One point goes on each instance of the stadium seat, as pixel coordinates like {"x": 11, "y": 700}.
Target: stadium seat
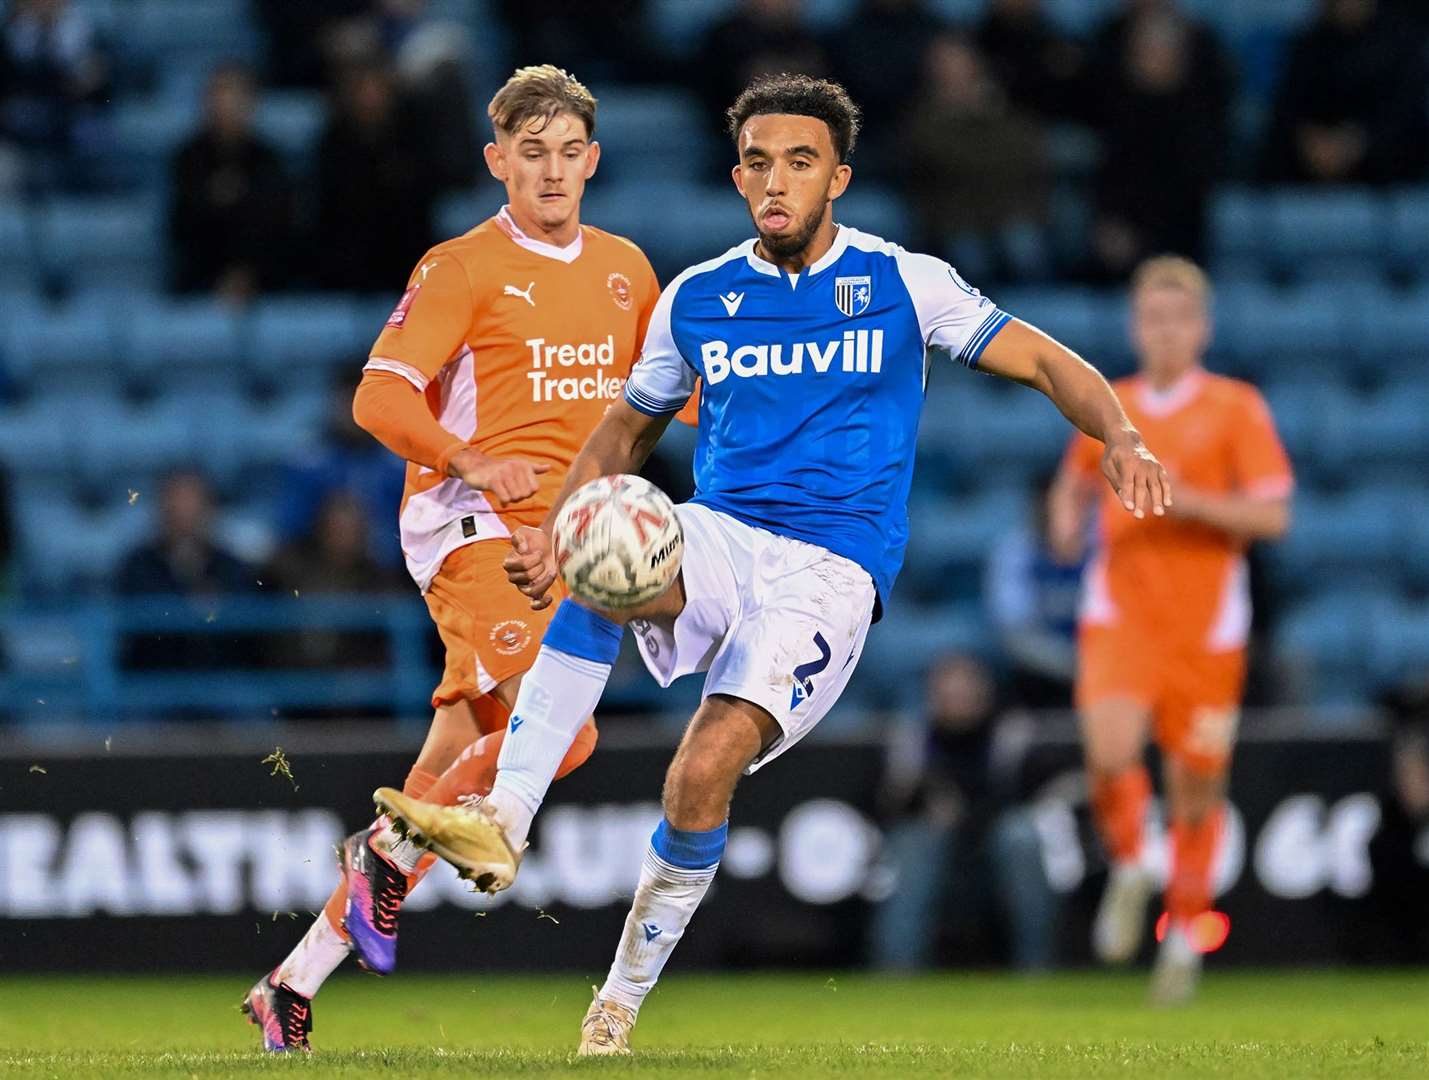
{"x": 1324, "y": 233}
{"x": 33, "y": 441}
{"x": 949, "y": 539}
{"x": 292, "y": 120}
{"x": 678, "y": 24}
{"x": 1386, "y": 430}
{"x": 877, "y": 210}
{"x": 648, "y": 133}
{"x": 171, "y": 342}
{"x": 1360, "y": 536}
{"x": 462, "y": 211}
{"x": 900, "y": 649}
{"x": 292, "y": 337}
{"x": 113, "y": 245}
{"x": 1409, "y": 232}
{"x": 1239, "y": 231}
{"x": 156, "y": 31}
{"x": 1332, "y": 637}
{"x": 1393, "y": 328}
{"x": 711, "y": 220}
{"x": 16, "y": 239}
{"x": 47, "y": 344}
{"x": 146, "y": 136}
{"x": 1307, "y": 417}
{"x": 1264, "y": 330}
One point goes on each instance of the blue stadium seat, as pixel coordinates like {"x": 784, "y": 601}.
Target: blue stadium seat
{"x": 292, "y": 120}
{"x": 1072, "y": 316}
{"x": 1394, "y": 328}
{"x": 33, "y": 441}
{"x": 1387, "y": 429}
{"x": 1307, "y": 417}
{"x": 900, "y": 649}
{"x": 1263, "y": 330}
{"x": 45, "y": 344}
{"x": 711, "y": 220}
{"x": 877, "y": 210}
{"x": 17, "y": 253}
{"x": 1409, "y": 231}
{"x": 172, "y": 342}
{"x": 113, "y": 245}
{"x": 115, "y": 442}
{"x": 146, "y": 136}
{"x": 1326, "y": 233}
{"x": 463, "y": 211}
{"x": 1358, "y": 536}
{"x": 298, "y": 338}
{"x": 1332, "y": 636}
{"x": 679, "y": 24}
{"x": 949, "y": 539}
{"x": 157, "y": 30}
{"x": 1240, "y": 230}
{"x": 652, "y": 133}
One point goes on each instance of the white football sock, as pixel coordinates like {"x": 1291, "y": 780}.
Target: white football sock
{"x": 400, "y": 852}
{"x": 665, "y": 900}
{"x": 557, "y": 695}
{"x": 315, "y": 958}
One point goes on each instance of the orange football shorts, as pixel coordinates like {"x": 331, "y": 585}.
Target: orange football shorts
{"x": 1194, "y": 695}
{"x": 487, "y": 626}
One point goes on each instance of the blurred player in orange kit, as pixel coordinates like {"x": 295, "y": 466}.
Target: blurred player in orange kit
{"x": 502, "y": 355}
{"x": 1165, "y": 615}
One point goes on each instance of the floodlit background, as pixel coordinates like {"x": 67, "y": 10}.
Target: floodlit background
{"x": 208, "y": 208}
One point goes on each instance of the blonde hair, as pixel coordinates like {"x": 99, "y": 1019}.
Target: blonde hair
{"x": 541, "y": 92}
{"x": 1172, "y": 272}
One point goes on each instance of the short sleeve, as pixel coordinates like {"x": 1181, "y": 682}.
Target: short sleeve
{"x": 429, "y": 324}
{"x": 952, "y": 315}
{"x": 1083, "y": 457}
{"x": 661, "y": 383}
{"x": 1262, "y": 468}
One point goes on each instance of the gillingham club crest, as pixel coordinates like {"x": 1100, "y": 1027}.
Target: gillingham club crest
{"x": 852, "y": 294}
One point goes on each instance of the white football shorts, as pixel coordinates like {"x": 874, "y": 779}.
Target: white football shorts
{"x": 772, "y": 620}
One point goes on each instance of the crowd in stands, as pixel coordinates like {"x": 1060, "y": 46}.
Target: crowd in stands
{"x": 1025, "y": 150}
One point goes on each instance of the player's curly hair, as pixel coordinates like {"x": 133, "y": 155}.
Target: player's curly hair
{"x": 799, "y": 95}
{"x": 541, "y": 92}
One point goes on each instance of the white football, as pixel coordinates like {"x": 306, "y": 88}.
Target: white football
{"x": 618, "y": 542}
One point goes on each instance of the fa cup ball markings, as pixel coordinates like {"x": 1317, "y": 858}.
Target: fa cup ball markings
{"x": 618, "y": 542}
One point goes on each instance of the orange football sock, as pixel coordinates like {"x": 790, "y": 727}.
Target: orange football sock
{"x": 1189, "y": 890}
{"x": 474, "y": 771}
{"x": 1119, "y": 807}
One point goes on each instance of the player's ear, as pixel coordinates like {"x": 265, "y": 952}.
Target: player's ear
{"x": 839, "y": 184}
{"x": 592, "y": 159}
{"x": 496, "y": 161}
{"x": 737, "y": 174}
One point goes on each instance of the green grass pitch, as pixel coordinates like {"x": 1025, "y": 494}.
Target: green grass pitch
{"x": 1293, "y": 1024}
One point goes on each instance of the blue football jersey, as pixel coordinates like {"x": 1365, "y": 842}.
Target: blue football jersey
{"x": 813, "y": 385}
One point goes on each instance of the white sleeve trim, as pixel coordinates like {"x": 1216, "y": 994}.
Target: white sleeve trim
{"x": 397, "y": 367}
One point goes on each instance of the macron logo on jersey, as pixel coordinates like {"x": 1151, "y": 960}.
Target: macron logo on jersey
{"x": 855, "y": 351}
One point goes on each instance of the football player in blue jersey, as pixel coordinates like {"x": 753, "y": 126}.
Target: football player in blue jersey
{"x": 813, "y": 341}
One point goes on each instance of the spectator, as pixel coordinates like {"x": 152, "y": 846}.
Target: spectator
{"x": 1164, "y": 124}
{"x": 299, "y": 36}
{"x": 604, "y": 43}
{"x": 436, "y": 69}
{"x": 871, "y": 55}
{"x": 376, "y": 186}
{"x": 333, "y": 558}
{"x": 1043, "y": 71}
{"x": 760, "y": 37}
{"x": 231, "y": 216}
{"x": 953, "y": 821}
{"x": 1351, "y": 108}
{"x": 347, "y": 459}
{"x": 54, "y": 78}
{"x": 1031, "y": 596}
{"x": 183, "y": 560}
{"x": 976, "y": 168}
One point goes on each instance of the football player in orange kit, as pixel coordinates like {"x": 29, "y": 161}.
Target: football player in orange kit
{"x": 1165, "y": 616}
{"x": 500, "y": 358}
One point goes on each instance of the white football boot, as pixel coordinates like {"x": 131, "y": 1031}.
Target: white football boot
{"x": 606, "y": 1028}
{"x": 1177, "y": 969}
{"x": 1121, "y": 915}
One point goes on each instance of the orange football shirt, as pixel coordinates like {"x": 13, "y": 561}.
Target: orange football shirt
{"x": 1176, "y": 579}
{"x": 519, "y": 347}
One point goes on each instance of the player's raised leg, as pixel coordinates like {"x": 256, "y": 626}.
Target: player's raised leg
{"x": 726, "y": 735}
{"x": 1114, "y": 732}
{"x": 484, "y": 840}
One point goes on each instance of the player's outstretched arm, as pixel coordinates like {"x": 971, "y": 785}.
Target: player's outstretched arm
{"x": 620, "y": 443}
{"x": 1026, "y": 355}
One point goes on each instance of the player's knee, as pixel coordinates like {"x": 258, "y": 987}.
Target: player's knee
{"x": 698, "y": 790}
